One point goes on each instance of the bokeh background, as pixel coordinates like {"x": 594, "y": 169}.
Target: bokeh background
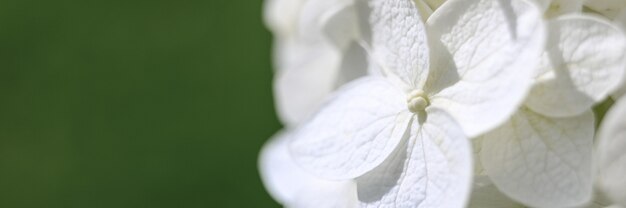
{"x": 131, "y": 103}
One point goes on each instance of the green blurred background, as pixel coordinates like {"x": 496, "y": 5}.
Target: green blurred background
{"x": 127, "y": 103}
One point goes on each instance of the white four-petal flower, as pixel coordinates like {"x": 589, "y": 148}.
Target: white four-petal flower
{"x": 403, "y": 137}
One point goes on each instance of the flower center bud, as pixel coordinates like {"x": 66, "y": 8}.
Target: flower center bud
{"x": 417, "y": 101}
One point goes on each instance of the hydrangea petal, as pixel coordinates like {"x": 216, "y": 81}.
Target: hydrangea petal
{"x": 424, "y": 9}
{"x": 611, "y": 154}
{"x": 291, "y": 186}
{"x": 489, "y": 47}
{"x": 342, "y": 26}
{"x": 301, "y": 88}
{"x": 541, "y": 161}
{"x": 487, "y": 195}
{"x": 322, "y": 57}
{"x": 399, "y": 43}
{"x": 431, "y": 168}
{"x": 587, "y": 62}
{"x": 328, "y": 194}
{"x": 281, "y": 16}
{"x": 600, "y": 200}
{"x": 620, "y": 20}
{"x": 333, "y": 21}
{"x": 355, "y": 131}
{"x": 621, "y": 91}
{"x": 354, "y": 64}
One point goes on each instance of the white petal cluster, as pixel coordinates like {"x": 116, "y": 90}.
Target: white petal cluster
{"x": 448, "y": 103}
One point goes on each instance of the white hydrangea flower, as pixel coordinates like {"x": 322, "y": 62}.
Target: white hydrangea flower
{"x": 315, "y": 52}
{"x": 542, "y": 155}
{"x": 403, "y": 136}
{"x": 293, "y": 187}
{"x": 612, "y": 153}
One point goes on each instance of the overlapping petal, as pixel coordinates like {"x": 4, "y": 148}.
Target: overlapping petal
{"x": 484, "y": 70}
{"x": 611, "y": 154}
{"x": 430, "y": 168}
{"x": 355, "y": 131}
{"x": 587, "y": 58}
{"x": 487, "y": 195}
{"x": 341, "y": 27}
{"x": 301, "y": 88}
{"x": 424, "y": 9}
{"x": 621, "y": 91}
{"x": 399, "y": 42}
{"x": 281, "y": 16}
{"x": 320, "y": 56}
{"x": 292, "y": 186}
{"x": 331, "y": 21}
{"x": 434, "y": 4}
{"x": 328, "y": 195}
{"x": 541, "y": 161}
{"x": 620, "y": 21}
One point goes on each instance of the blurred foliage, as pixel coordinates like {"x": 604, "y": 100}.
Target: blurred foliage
{"x": 133, "y": 103}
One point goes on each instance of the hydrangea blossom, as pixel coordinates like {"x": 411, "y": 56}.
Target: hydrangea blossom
{"x": 479, "y": 69}
{"x": 542, "y": 155}
{"x": 403, "y": 137}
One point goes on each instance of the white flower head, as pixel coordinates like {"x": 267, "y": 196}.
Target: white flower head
{"x": 542, "y": 155}
{"x": 611, "y": 153}
{"x": 403, "y": 136}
